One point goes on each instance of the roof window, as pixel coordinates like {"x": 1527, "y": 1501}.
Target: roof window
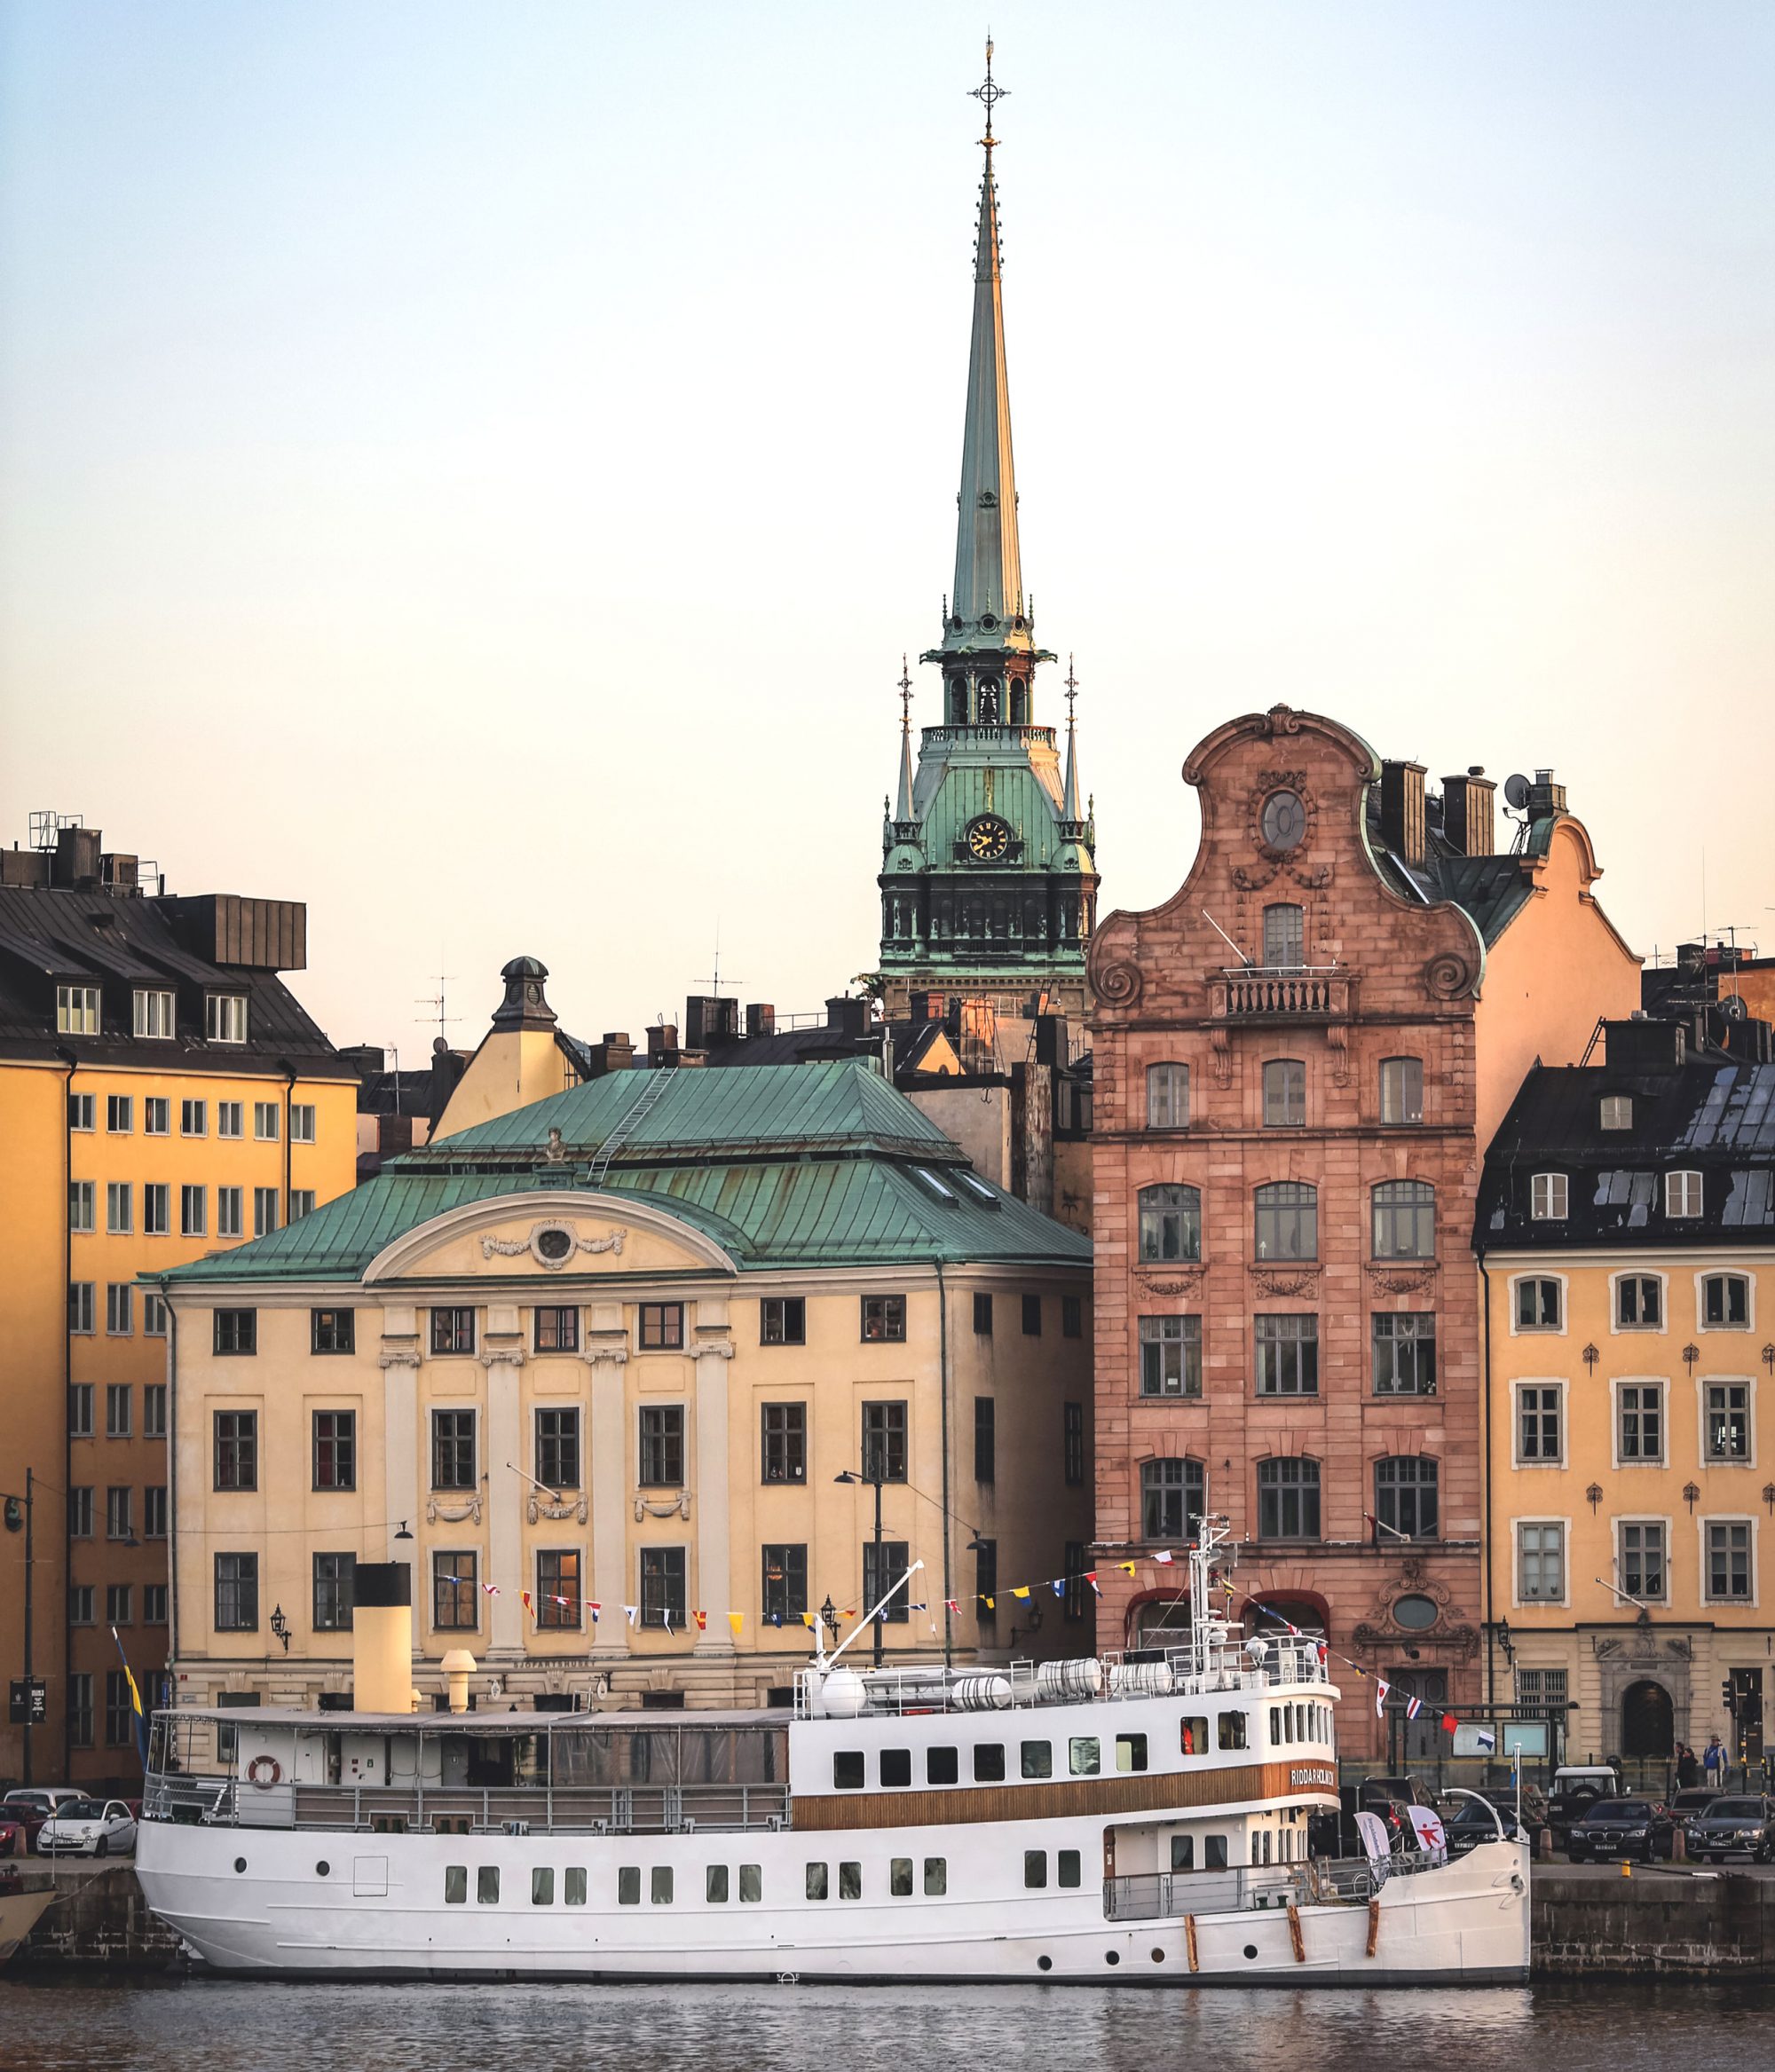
{"x": 935, "y": 1185}
{"x": 1617, "y": 1111}
{"x": 978, "y": 1188}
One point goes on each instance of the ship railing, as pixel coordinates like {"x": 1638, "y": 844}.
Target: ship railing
{"x": 1015, "y": 1686}
{"x": 1318, "y": 1881}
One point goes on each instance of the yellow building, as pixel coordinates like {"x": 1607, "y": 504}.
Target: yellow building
{"x": 1626, "y": 1233}
{"x": 161, "y": 1094}
{"x": 623, "y": 1374}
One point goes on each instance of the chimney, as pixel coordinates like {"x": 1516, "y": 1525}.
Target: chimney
{"x": 1545, "y": 797}
{"x": 662, "y": 1044}
{"x": 1467, "y": 813}
{"x": 382, "y": 1637}
{"x": 1645, "y": 1046}
{"x": 447, "y": 1068}
{"x": 120, "y": 873}
{"x": 928, "y": 1006}
{"x": 616, "y": 1054}
{"x": 760, "y": 1018}
{"x": 848, "y": 1017}
{"x": 710, "y": 1020}
{"x": 1402, "y": 810}
{"x": 76, "y": 865}
{"x": 1051, "y": 1044}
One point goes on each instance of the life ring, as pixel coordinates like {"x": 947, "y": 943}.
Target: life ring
{"x": 264, "y": 1771}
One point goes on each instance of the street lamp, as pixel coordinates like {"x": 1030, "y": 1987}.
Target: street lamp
{"x": 874, "y": 1482}
{"x": 15, "y": 1507}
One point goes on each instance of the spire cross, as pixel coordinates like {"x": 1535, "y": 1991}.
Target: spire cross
{"x": 1071, "y": 690}
{"x": 988, "y": 96}
{"x": 906, "y": 698}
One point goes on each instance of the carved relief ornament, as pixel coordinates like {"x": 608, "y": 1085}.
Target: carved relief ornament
{"x": 552, "y": 1244}
{"x": 568, "y": 1508}
{"x": 453, "y": 1514}
{"x": 1285, "y": 1281}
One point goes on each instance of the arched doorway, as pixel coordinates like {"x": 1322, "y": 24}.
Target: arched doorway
{"x": 1647, "y": 1722}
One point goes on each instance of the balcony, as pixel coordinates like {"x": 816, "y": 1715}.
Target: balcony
{"x": 1282, "y": 993}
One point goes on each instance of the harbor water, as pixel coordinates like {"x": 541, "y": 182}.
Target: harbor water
{"x": 50, "y": 2023}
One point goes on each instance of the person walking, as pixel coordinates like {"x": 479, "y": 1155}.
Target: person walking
{"x": 1687, "y": 1768}
{"x": 1713, "y": 1761}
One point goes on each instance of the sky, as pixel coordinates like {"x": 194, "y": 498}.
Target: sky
{"x": 477, "y": 468}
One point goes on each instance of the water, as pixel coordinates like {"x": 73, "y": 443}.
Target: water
{"x": 47, "y": 2025}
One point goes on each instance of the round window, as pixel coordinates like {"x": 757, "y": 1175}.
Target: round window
{"x": 1415, "y": 1614}
{"x": 554, "y": 1243}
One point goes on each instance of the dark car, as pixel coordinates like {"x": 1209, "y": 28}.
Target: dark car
{"x": 1623, "y": 1827}
{"x": 1733, "y": 1827}
{"x": 1690, "y": 1800}
{"x": 31, "y": 1805}
{"x": 1473, "y": 1824}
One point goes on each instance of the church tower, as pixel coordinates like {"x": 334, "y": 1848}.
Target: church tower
{"x": 988, "y": 884}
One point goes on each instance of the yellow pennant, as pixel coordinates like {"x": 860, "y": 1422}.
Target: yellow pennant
{"x": 1127, "y": 1565}
{"x": 808, "y": 1620}
{"x": 991, "y": 1604}
{"x": 736, "y": 1619}
{"x": 1022, "y": 1593}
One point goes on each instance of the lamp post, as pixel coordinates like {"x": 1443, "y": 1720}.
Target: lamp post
{"x": 874, "y": 1481}
{"x": 28, "y": 1505}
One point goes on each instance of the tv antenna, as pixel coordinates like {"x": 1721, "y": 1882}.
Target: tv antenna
{"x": 1516, "y": 802}
{"x": 438, "y": 1003}
{"x": 714, "y": 983}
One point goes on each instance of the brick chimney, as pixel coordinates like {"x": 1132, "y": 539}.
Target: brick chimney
{"x": 1545, "y": 797}
{"x": 760, "y": 1018}
{"x": 1467, "y": 813}
{"x": 1402, "y": 810}
{"x": 76, "y": 866}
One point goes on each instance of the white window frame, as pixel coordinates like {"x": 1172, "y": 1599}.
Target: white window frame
{"x": 82, "y": 1221}
{"x": 234, "y": 1199}
{"x": 1518, "y": 1459}
{"x": 1616, "y": 1327}
{"x": 1703, "y": 1382}
{"x": 237, "y": 1109}
{"x": 1557, "y": 1197}
{"x": 224, "y": 1018}
{"x": 79, "y": 1010}
{"x": 1556, "y": 1330}
{"x": 1617, "y": 1458}
{"x": 1736, "y": 1274}
{"x": 1728, "y": 1518}
{"x": 302, "y": 1122}
{"x": 185, "y": 1118}
{"x": 1644, "y": 1518}
{"x": 153, "y": 1013}
{"x": 162, "y": 1103}
{"x": 1677, "y": 1189}
{"x": 1611, "y": 1106}
{"x": 1515, "y": 1597}
{"x": 261, "y": 1135}
{"x": 1401, "y": 1122}
{"x": 120, "y": 1209}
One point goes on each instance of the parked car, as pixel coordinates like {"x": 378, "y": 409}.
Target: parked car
{"x": 13, "y": 1839}
{"x": 1379, "y": 1791}
{"x": 1690, "y": 1800}
{"x": 1623, "y": 1827}
{"x": 1576, "y": 1788}
{"x": 1467, "y": 1823}
{"x": 1733, "y": 1827}
{"x": 87, "y": 1827}
{"x": 31, "y": 1805}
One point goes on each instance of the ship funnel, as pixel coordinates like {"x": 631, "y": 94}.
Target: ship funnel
{"x": 382, "y": 1637}
{"x": 458, "y": 1665}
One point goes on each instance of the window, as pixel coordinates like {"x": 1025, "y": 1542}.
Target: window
{"x": 193, "y": 1211}
{"x": 154, "y": 1604}
{"x": 81, "y": 1308}
{"x": 80, "y": 1514}
{"x": 660, "y": 1886}
{"x": 558, "y": 1588}
{"x": 783, "y": 1443}
{"x": 301, "y": 1122}
{"x": 985, "y": 1439}
{"x": 1037, "y": 1759}
{"x": 119, "y": 1604}
{"x": 1728, "y": 1420}
{"x": 237, "y": 1449}
{"x": 333, "y": 1575}
{"x": 1072, "y": 1444}
{"x": 884, "y": 1442}
{"x": 154, "y": 1399}
{"x": 1183, "y": 1852}
{"x": 817, "y": 1885}
{"x": 985, "y": 1580}
{"x": 302, "y": 1202}
{"x": 83, "y": 1605}
{"x": 662, "y": 1327}
{"x": 120, "y": 1115}
{"x": 265, "y": 1121}
{"x": 1285, "y": 937}
{"x": 237, "y": 1592}
{"x": 936, "y": 1877}
{"x": 1537, "y": 1423}
{"x": 1167, "y": 1097}
{"x": 982, "y": 1315}
{"x": 555, "y": 1330}
{"x": 1546, "y": 1687}
{"x": 1170, "y": 1223}
{"x": 783, "y": 1320}
{"x": 557, "y": 1448}
{"x": 662, "y": 1446}
{"x": 1539, "y": 1307}
{"x": 230, "y": 1217}
{"x": 120, "y": 1710}
{"x": 884, "y": 1320}
{"x": 1641, "y": 1414}
{"x": 336, "y": 1449}
{"x": 155, "y": 1326}
{"x": 1284, "y": 1094}
{"x": 1405, "y": 1496}
{"x": 452, "y": 1450}
{"x": 1616, "y": 1112}
{"x": 988, "y": 1762}
{"x": 1067, "y": 1868}
{"x": 900, "y": 1877}
{"x": 1173, "y": 1498}
{"x": 884, "y": 1569}
{"x": 236, "y": 1332}
{"x": 1072, "y": 1316}
{"x": 120, "y": 1506}
{"x": 487, "y": 1884}
{"x": 541, "y": 1887}
{"x": 1725, "y": 1302}
{"x": 1287, "y": 1499}
{"x": 1401, "y": 1091}
{"x": 785, "y": 1596}
{"x": 662, "y": 1586}
{"x": 896, "y": 1769}
{"x": 1541, "y": 1561}
{"x": 1639, "y": 1301}
{"x": 1032, "y": 1316}
{"x": 1728, "y": 1544}
{"x": 1404, "y": 1220}
{"x": 193, "y": 1118}
{"x": 77, "y": 1010}
{"x": 80, "y": 1111}
{"x": 455, "y": 1592}
{"x": 224, "y": 1018}
{"x": 265, "y": 1211}
{"x": 1547, "y": 1197}
{"x": 118, "y": 1208}
{"x": 1287, "y": 1221}
{"x": 155, "y": 1511}
{"x": 153, "y": 1014}
{"x": 1640, "y": 1560}
{"x": 1131, "y": 1752}
{"x": 1084, "y": 1756}
{"x": 80, "y": 1205}
{"x": 453, "y": 1331}
{"x": 849, "y": 1773}
{"x": 332, "y": 1330}
{"x": 157, "y": 1116}
{"x": 80, "y": 1411}
{"x": 80, "y": 1709}
{"x": 119, "y": 1405}
{"x": 119, "y": 1302}
{"x": 943, "y": 1766}
{"x": 1405, "y": 1353}
{"x": 628, "y": 1886}
{"x": 1034, "y": 1870}
{"x": 230, "y": 1119}
{"x": 716, "y": 1885}
{"x": 573, "y": 1886}
{"x": 1681, "y": 1194}
{"x": 156, "y": 1211}
{"x": 1287, "y": 1355}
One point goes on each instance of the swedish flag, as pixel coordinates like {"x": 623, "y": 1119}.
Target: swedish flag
{"x": 135, "y": 1703}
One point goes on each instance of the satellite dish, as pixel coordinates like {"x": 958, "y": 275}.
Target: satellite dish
{"x": 1516, "y": 792}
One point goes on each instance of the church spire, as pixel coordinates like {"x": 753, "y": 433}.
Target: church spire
{"x": 902, "y": 812}
{"x": 1069, "y": 811}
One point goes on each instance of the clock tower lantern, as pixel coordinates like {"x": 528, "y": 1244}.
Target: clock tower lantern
{"x": 989, "y": 882}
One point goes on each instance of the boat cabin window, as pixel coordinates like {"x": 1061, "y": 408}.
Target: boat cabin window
{"x": 662, "y": 1754}
{"x": 848, "y": 1770}
{"x": 1085, "y": 1755}
{"x": 1192, "y": 1738}
{"x": 573, "y": 1886}
{"x": 456, "y": 1885}
{"x": 1232, "y": 1727}
{"x": 1183, "y": 1852}
{"x": 817, "y": 1881}
{"x": 989, "y": 1763}
{"x": 1034, "y": 1870}
{"x": 1214, "y": 1852}
{"x": 487, "y": 1885}
{"x": 715, "y": 1885}
{"x": 541, "y": 1887}
{"x": 751, "y": 1884}
{"x": 628, "y": 1886}
{"x": 1068, "y": 1867}
{"x": 936, "y": 1877}
{"x": 850, "y": 1881}
{"x": 943, "y": 1766}
{"x": 900, "y": 1877}
{"x": 660, "y": 1886}
{"x": 1131, "y": 1752}
{"x": 896, "y": 1769}
{"x": 1037, "y": 1759}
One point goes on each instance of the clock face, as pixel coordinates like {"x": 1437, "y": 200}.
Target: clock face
{"x": 988, "y": 838}
{"x": 1284, "y": 821}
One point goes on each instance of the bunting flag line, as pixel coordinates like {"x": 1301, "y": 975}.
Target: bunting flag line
{"x": 1059, "y": 1587}
{"x": 1023, "y": 1592}
{"x": 524, "y": 1599}
{"x": 702, "y": 1619}
{"x": 950, "y": 1604}
{"x": 1164, "y": 1558}
{"x": 1449, "y": 1722}
{"x": 1096, "y": 1588}
{"x": 1382, "y": 1687}
{"x": 492, "y": 1589}
{"x": 594, "y": 1608}
{"x": 1413, "y": 1706}
{"x": 628, "y": 1612}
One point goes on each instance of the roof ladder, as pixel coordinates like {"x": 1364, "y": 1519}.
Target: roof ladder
{"x": 651, "y": 1094}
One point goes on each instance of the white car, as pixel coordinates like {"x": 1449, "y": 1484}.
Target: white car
{"x": 87, "y": 1827}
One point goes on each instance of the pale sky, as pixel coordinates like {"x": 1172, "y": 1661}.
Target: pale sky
{"x": 476, "y": 468}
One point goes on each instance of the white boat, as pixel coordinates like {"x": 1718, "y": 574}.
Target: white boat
{"x": 24, "y": 1900}
{"x": 1140, "y": 1821}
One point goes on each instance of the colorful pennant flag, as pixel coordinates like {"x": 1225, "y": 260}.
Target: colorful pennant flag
{"x": 1449, "y": 1722}
{"x": 950, "y": 1604}
{"x": 1023, "y": 1592}
{"x": 524, "y": 1599}
{"x": 702, "y": 1619}
{"x": 1096, "y": 1588}
{"x": 1164, "y": 1557}
{"x": 1382, "y": 1687}
{"x": 736, "y": 1619}
{"x": 628, "y": 1612}
{"x": 594, "y": 1608}
{"x": 1413, "y": 1706}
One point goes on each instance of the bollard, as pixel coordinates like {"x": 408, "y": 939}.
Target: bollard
{"x": 1544, "y": 1845}
{"x": 1679, "y": 1846}
{"x": 1626, "y": 1868}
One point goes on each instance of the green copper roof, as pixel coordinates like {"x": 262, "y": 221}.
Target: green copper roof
{"x": 799, "y": 1165}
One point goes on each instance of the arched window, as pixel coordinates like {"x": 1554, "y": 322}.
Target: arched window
{"x": 989, "y": 702}
{"x": 1725, "y": 1302}
{"x": 1173, "y": 1496}
{"x": 1404, "y": 1497}
{"x": 1287, "y": 1499}
{"x": 1285, "y": 937}
{"x": 1287, "y": 1221}
{"x": 958, "y": 703}
{"x": 1020, "y": 703}
{"x": 1284, "y": 1094}
{"x": 1170, "y": 1223}
{"x": 1167, "y": 1097}
{"x": 1401, "y": 1091}
{"x": 1404, "y": 1220}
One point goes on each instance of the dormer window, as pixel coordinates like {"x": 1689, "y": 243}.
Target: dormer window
{"x": 76, "y": 1011}
{"x": 1681, "y": 1194}
{"x": 1547, "y": 1197}
{"x": 224, "y": 1018}
{"x": 153, "y": 1014}
{"x": 1617, "y": 1111}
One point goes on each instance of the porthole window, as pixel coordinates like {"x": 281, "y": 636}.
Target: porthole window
{"x": 555, "y": 1243}
{"x": 321, "y": 1869}
{"x": 1415, "y": 1614}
